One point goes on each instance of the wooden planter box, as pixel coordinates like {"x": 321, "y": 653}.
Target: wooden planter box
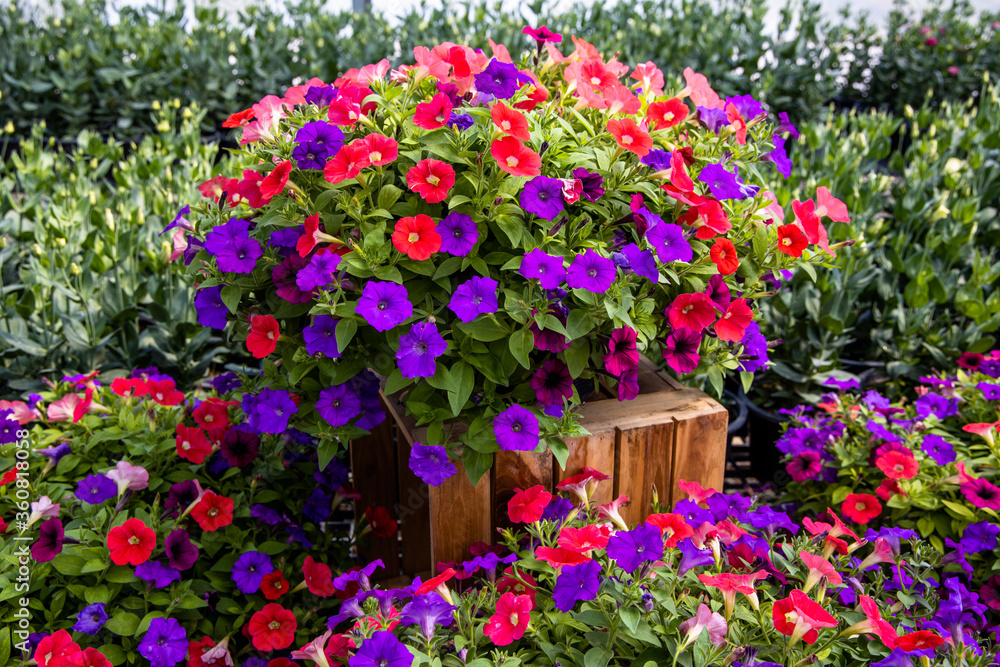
{"x": 669, "y": 432}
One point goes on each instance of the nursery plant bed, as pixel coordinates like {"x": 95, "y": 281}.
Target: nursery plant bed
{"x": 667, "y": 433}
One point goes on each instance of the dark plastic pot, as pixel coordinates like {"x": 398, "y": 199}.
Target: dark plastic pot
{"x": 764, "y": 429}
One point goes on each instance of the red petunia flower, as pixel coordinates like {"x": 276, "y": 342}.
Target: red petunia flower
{"x": 129, "y": 387}
{"x": 431, "y": 179}
{"x": 434, "y": 114}
{"x": 511, "y": 619}
{"x": 791, "y": 240}
{"x": 212, "y": 413}
{"x": 347, "y": 163}
{"x": 248, "y": 190}
{"x": 192, "y": 445}
{"x": 164, "y": 392}
{"x": 861, "y": 507}
{"x": 693, "y": 311}
{"x": 630, "y": 136}
{"x": 55, "y": 648}
{"x": 213, "y": 511}
{"x": 239, "y": 119}
{"x": 737, "y": 122}
{"x": 559, "y": 556}
{"x": 214, "y": 188}
{"x": 918, "y": 641}
{"x": 262, "y": 338}
{"x": 734, "y": 322}
{"x": 707, "y": 217}
{"x": 525, "y": 584}
{"x": 528, "y": 505}
{"x": 667, "y": 114}
{"x": 583, "y": 540}
{"x": 724, "y": 255}
{"x": 196, "y": 649}
{"x": 381, "y": 150}
{"x": 805, "y": 215}
{"x": 318, "y": 577}
{"x": 131, "y": 543}
{"x": 275, "y": 182}
{"x": 515, "y": 158}
{"x": 889, "y": 488}
{"x": 673, "y": 527}
{"x": 511, "y": 122}
{"x": 898, "y": 465}
{"x": 799, "y": 617}
{"x": 273, "y": 585}
{"x": 88, "y": 657}
{"x": 382, "y": 523}
{"x": 272, "y": 628}
{"x": 416, "y": 237}
{"x": 344, "y": 111}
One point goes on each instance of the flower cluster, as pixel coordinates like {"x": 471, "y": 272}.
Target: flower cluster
{"x": 493, "y": 236}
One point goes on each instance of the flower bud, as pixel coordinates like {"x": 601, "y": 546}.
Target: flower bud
{"x": 75, "y": 269}
{"x": 61, "y": 242}
{"x": 156, "y": 105}
{"x": 9, "y": 127}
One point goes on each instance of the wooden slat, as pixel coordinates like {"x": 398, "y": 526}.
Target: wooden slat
{"x": 373, "y": 464}
{"x": 630, "y": 468}
{"x": 596, "y": 451}
{"x": 644, "y": 457}
{"x": 414, "y": 514}
{"x": 700, "y": 445}
{"x": 460, "y": 514}
{"x": 517, "y": 470}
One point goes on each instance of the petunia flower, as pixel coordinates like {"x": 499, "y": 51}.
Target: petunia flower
{"x": 680, "y": 350}
{"x": 731, "y": 584}
{"x": 348, "y": 162}
{"x": 427, "y": 611}
{"x": 669, "y": 242}
{"x": 800, "y": 618}
{"x": 458, "y": 234}
{"x": 630, "y": 136}
{"x": 272, "y": 628}
{"x": 516, "y": 429}
{"x": 541, "y": 35}
{"x": 629, "y": 549}
{"x": 543, "y": 196}
{"x": 419, "y": 349}
{"x": 433, "y": 114}
{"x": 508, "y": 624}
{"x": 431, "y": 464}
{"x": 318, "y": 273}
{"x": 527, "y": 505}
{"x": 898, "y": 465}
{"x": 431, "y": 179}
{"x": 667, "y": 114}
{"x": 791, "y": 240}
{"x": 416, "y": 237}
{"x": 589, "y": 271}
{"x": 249, "y": 571}
{"x": 384, "y": 305}
{"x": 498, "y": 80}
{"x": 338, "y": 405}
{"x": 723, "y": 253}
{"x": 239, "y": 447}
{"x": 50, "y": 541}
{"x": 476, "y": 296}
{"x": 547, "y": 269}
{"x": 692, "y": 311}
{"x": 641, "y": 262}
{"x": 861, "y": 507}
{"x": 91, "y": 619}
{"x": 192, "y": 444}
{"x": 515, "y": 158}
{"x": 622, "y": 352}
{"x": 211, "y": 310}
{"x": 212, "y": 511}
{"x": 321, "y": 336}
{"x": 164, "y": 644}
{"x": 128, "y": 477}
{"x": 131, "y": 543}
{"x": 672, "y": 527}
{"x": 807, "y": 218}
{"x": 704, "y": 619}
{"x": 552, "y": 383}
{"x": 381, "y": 150}
{"x": 982, "y": 494}
{"x": 725, "y": 184}
{"x": 232, "y": 247}
{"x": 95, "y": 489}
{"x": 262, "y": 339}
{"x": 585, "y": 539}
{"x": 732, "y": 325}
{"x": 576, "y": 583}
{"x": 181, "y": 553}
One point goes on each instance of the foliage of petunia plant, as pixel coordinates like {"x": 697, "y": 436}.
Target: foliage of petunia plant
{"x": 493, "y": 238}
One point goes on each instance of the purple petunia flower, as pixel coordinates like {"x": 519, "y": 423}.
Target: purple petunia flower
{"x": 546, "y": 268}
{"x": 226, "y": 382}
{"x": 641, "y": 262}
{"x": 157, "y": 573}
{"x": 558, "y": 509}
{"x": 991, "y": 392}
{"x": 842, "y": 385}
{"x": 723, "y": 184}
{"x": 180, "y": 220}
{"x": 9, "y": 427}
{"x": 91, "y": 619}
{"x": 748, "y": 107}
{"x": 266, "y": 515}
{"x": 95, "y": 489}
{"x": 165, "y": 643}
{"x": 669, "y": 242}
{"x": 333, "y": 475}
{"x": 182, "y": 494}
{"x": 321, "y": 96}
{"x": 318, "y": 273}
{"x": 461, "y": 121}
{"x": 240, "y": 446}
{"x": 980, "y": 536}
{"x": 286, "y": 237}
{"x": 591, "y": 272}
{"x": 431, "y": 464}
{"x": 360, "y": 577}
{"x": 516, "y": 429}
{"x": 233, "y": 248}
{"x": 692, "y": 556}
{"x": 271, "y": 410}
{"x": 321, "y": 336}
{"x": 498, "y": 79}
{"x": 937, "y": 405}
{"x": 779, "y": 157}
{"x": 317, "y": 142}
{"x": 250, "y": 569}
{"x": 419, "y": 349}
{"x": 476, "y": 296}
{"x": 458, "y": 234}
{"x": 785, "y": 125}
{"x": 181, "y": 553}
{"x": 384, "y": 305}
{"x": 940, "y": 450}
{"x": 212, "y": 312}
{"x": 593, "y": 183}
{"x": 713, "y": 119}
{"x": 338, "y": 405}
{"x": 656, "y": 159}
{"x": 543, "y": 196}
{"x": 769, "y": 521}
{"x": 284, "y": 275}
{"x": 630, "y": 549}
{"x": 725, "y": 505}
{"x": 426, "y": 612}
{"x": 578, "y": 583}
{"x": 56, "y": 453}
{"x": 317, "y": 508}
{"x": 754, "y": 355}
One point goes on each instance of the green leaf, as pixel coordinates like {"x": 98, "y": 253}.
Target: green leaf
{"x": 484, "y": 329}
{"x": 114, "y": 654}
{"x": 388, "y": 196}
{"x": 521, "y": 344}
{"x": 597, "y": 657}
{"x": 578, "y": 324}
{"x": 119, "y": 574}
{"x": 328, "y": 448}
{"x": 464, "y": 377}
{"x": 559, "y": 449}
{"x": 476, "y": 464}
{"x": 577, "y": 356}
{"x": 390, "y": 273}
{"x": 5, "y": 646}
{"x": 231, "y": 295}
{"x": 345, "y": 333}
{"x": 760, "y": 243}
{"x": 396, "y": 382}
{"x": 123, "y": 623}
{"x": 630, "y": 617}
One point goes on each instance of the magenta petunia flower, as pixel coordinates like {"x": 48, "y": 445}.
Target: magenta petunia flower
{"x": 318, "y": 273}
{"x": 516, "y": 429}
{"x": 476, "y": 296}
{"x": 680, "y": 350}
{"x": 591, "y": 272}
{"x": 550, "y": 340}
{"x": 543, "y": 196}
{"x": 239, "y": 447}
{"x": 339, "y": 404}
{"x": 542, "y": 34}
{"x": 546, "y": 268}
{"x": 552, "y": 382}
{"x": 805, "y": 466}
{"x": 50, "y": 541}
{"x": 593, "y": 183}
{"x": 419, "y": 349}
{"x": 284, "y": 277}
{"x": 669, "y": 242}
{"x": 431, "y": 464}
{"x": 384, "y": 305}
{"x": 718, "y": 292}
{"x": 180, "y": 551}
{"x": 321, "y": 336}
{"x": 628, "y": 384}
{"x": 622, "y": 352}
{"x": 982, "y": 494}
{"x": 233, "y": 248}
{"x": 458, "y": 234}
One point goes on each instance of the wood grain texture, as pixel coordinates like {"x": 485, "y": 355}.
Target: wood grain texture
{"x": 596, "y": 451}
{"x": 644, "y": 458}
{"x": 517, "y": 470}
{"x": 373, "y": 465}
{"x": 460, "y": 514}
{"x": 700, "y": 447}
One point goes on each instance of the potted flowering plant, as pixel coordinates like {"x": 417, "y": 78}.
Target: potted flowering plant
{"x": 495, "y": 237}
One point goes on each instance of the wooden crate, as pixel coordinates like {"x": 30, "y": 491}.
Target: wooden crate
{"x": 669, "y": 432}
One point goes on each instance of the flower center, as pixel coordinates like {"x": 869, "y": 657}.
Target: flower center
{"x": 860, "y": 507}
{"x": 627, "y": 139}
{"x": 134, "y": 539}
{"x": 274, "y": 625}
{"x": 513, "y": 618}
{"x": 516, "y": 428}
{"x": 512, "y": 161}
{"x": 668, "y": 116}
{"x": 786, "y": 241}
{"x": 241, "y": 254}
{"x": 213, "y": 512}
{"x": 375, "y": 156}
{"x": 270, "y": 335}
{"x": 350, "y": 166}
{"x": 433, "y": 180}
{"x": 592, "y": 272}
{"x": 185, "y": 445}
{"x": 413, "y": 237}
{"x": 595, "y": 80}
{"x": 457, "y": 233}
{"x": 209, "y": 418}
{"x": 687, "y": 309}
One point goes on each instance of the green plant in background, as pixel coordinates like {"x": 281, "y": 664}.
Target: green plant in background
{"x": 86, "y": 279}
